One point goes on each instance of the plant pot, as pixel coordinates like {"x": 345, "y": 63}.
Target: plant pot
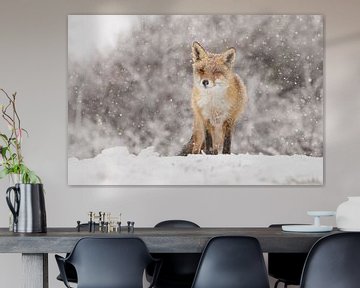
{"x": 27, "y": 207}
{"x": 348, "y": 214}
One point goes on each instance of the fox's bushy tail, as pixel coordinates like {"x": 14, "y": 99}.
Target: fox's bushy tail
{"x": 187, "y": 148}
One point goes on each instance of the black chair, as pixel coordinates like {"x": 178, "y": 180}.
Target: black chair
{"x": 286, "y": 267}
{"x": 232, "y": 262}
{"x": 176, "y": 224}
{"x": 108, "y": 263}
{"x": 178, "y": 269}
{"x": 333, "y": 262}
{"x": 70, "y": 271}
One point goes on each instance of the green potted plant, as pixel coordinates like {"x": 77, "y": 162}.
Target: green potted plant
{"x": 12, "y": 161}
{"x": 26, "y": 197}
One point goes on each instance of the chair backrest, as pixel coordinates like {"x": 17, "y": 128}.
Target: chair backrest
{"x": 110, "y": 262}
{"x": 333, "y": 262}
{"x": 232, "y": 262}
{"x": 286, "y": 267}
{"x": 176, "y": 224}
{"x": 178, "y": 269}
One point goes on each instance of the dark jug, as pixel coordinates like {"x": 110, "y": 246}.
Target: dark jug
{"x": 28, "y": 208}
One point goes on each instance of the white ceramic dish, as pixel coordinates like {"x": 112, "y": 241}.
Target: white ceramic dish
{"x": 321, "y": 213}
{"x": 306, "y": 228}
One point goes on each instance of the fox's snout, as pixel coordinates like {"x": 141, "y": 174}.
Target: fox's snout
{"x": 205, "y": 83}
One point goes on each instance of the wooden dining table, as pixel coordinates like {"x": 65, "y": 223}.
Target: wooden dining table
{"x": 35, "y": 247}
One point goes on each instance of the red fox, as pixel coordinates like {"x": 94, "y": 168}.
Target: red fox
{"x": 218, "y": 99}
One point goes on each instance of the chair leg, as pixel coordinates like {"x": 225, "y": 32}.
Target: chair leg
{"x": 278, "y": 282}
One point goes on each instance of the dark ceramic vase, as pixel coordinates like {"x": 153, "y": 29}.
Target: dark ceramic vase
{"x": 27, "y": 207}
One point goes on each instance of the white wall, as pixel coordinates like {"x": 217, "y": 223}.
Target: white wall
{"x": 33, "y": 62}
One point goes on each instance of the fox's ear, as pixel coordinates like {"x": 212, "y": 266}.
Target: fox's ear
{"x": 198, "y": 52}
{"x": 229, "y": 56}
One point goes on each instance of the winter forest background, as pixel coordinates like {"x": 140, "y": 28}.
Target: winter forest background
{"x": 135, "y": 91}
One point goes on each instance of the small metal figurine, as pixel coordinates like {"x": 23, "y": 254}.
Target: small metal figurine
{"x": 130, "y": 226}
{"x": 100, "y": 221}
{"x": 90, "y": 221}
{"x": 78, "y": 226}
{"x": 107, "y": 224}
{"x": 94, "y": 227}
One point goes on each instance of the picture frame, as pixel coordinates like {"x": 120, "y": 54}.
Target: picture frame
{"x": 195, "y": 99}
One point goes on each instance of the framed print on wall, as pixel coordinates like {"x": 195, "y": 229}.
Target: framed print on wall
{"x": 195, "y": 100}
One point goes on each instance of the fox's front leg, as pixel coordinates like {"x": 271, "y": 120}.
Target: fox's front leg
{"x": 208, "y": 139}
{"x": 208, "y": 142}
{"x": 198, "y": 136}
{"x": 218, "y": 140}
{"x": 227, "y": 129}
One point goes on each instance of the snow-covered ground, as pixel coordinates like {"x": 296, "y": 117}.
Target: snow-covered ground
{"x": 116, "y": 166}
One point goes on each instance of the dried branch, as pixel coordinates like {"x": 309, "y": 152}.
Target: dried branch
{"x": 12, "y": 159}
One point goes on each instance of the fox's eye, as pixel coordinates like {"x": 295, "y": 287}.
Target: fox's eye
{"x": 202, "y": 71}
